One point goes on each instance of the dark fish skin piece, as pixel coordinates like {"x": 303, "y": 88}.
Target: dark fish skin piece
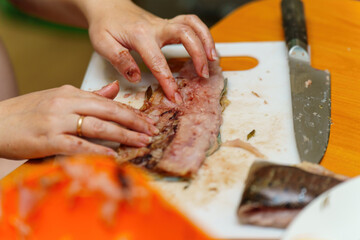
{"x": 277, "y": 189}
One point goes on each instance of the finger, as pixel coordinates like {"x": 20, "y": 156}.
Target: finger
{"x": 111, "y": 111}
{"x": 137, "y": 111}
{"x": 156, "y": 62}
{"x": 118, "y": 55}
{"x": 109, "y": 91}
{"x": 69, "y": 145}
{"x": 96, "y": 128}
{"x": 89, "y": 96}
{"x": 202, "y": 31}
{"x": 192, "y": 44}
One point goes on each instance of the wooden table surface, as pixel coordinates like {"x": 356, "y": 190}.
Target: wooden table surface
{"x": 334, "y": 36}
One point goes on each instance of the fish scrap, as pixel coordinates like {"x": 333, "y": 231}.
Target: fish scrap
{"x": 274, "y": 194}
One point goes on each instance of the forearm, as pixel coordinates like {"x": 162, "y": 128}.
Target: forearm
{"x": 60, "y": 11}
{"x": 70, "y": 12}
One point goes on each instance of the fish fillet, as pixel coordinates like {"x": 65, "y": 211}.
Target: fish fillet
{"x": 188, "y": 132}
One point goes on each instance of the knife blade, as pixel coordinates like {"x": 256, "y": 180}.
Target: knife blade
{"x": 310, "y": 87}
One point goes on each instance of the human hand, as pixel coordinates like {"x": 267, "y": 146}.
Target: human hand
{"x": 117, "y": 26}
{"x": 44, "y": 123}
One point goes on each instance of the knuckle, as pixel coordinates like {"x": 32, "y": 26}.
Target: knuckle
{"x": 70, "y": 145}
{"x": 200, "y": 54}
{"x": 191, "y": 18}
{"x": 56, "y": 103}
{"x": 184, "y": 30}
{"x": 99, "y": 127}
{"x": 67, "y": 88}
{"x": 53, "y": 144}
{"x": 132, "y": 118}
{"x": 157, "y": 60}
{"x": 123, "y": 137}
{"x": 182, "y": 16}
{"x": 112, "y": 109}
{"x": 139, "y": 30}
{"x": 157, "y": 64}
{"x": 49, "y": 122}
{"x": 114, "y": 58}
{"x": 117, "y": 58}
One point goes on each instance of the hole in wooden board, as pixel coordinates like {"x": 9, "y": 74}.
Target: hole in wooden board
{"x": 227, "y": 63}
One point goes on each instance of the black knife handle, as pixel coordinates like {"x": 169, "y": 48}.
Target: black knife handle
{"x": 294, "y": 23}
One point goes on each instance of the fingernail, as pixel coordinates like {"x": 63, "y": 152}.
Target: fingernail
{"x": 151, "y": 130}
{"x": 155, "y": 130}
{"x": 149, "y": 120}
{"x": 205, "y": 71}
{"x": 112, "y": 153}
{"x": 133, "y": 75}
{"x": 214, "y": 54}
{"x": 146, "y": 139}
{"x": 178, "y": 98}
{"x": 107, "y": 85}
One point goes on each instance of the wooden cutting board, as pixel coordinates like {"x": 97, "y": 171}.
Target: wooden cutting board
{"x": 333, "y": 28}
{"x": 260, "y": 101}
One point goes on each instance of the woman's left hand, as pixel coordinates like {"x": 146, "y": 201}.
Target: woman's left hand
{"x": 117, "y": 26}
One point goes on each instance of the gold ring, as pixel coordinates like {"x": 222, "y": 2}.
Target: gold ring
{"x": 79, "y": 125}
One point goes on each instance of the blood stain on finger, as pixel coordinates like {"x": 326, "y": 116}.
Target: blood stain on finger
{"x": 124, "y": 53}
{"x": 133, "y": 75}
{"x": 129, "y": 73}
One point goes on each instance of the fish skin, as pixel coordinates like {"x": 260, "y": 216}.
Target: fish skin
{"x": 279, "y": 189}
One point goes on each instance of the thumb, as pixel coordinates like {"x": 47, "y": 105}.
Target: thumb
{"x": 109, "y": 91}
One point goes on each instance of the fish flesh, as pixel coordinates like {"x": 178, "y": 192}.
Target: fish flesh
{"x": 274, "y": 194}
{"x": 189, "y": 131}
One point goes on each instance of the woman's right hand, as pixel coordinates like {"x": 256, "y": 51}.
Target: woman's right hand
{"x": 44, "y": 123}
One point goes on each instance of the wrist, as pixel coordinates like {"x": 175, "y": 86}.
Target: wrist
{"x": 91, "y": 8}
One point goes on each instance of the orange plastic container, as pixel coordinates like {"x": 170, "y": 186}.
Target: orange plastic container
{"x": 89, "y": 197}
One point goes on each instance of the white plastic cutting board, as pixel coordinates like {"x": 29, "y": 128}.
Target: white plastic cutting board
{"x": 212, "y": 198}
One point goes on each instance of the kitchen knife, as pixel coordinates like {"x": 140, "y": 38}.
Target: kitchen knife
{"x": 310, "y": 87}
